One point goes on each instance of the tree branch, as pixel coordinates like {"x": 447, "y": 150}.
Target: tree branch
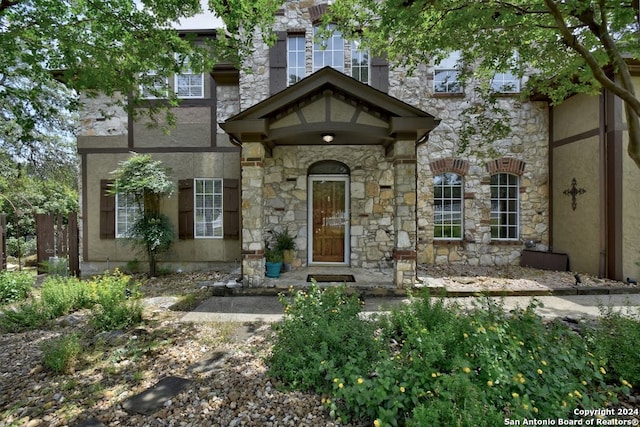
{"x": 572, "y": 41}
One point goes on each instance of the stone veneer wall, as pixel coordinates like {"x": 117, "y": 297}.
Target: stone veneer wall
{"x": 372, "y": 193}
{"x": 528, "y": 142}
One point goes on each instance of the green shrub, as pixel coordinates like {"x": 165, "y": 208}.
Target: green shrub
{"x": 112, "y": 299}
{"x": 617, "y": 339}
{"x": 27, "y": 315}
{"x": 117, "y": 302}
{"x": 61, "y": 355}
{"x": 441, "y": 365}
{"x": 63, "y": 295}
{"x": 14, "y": 286}
{"x": 21, "y": 247}
{"x": 321, "y": 333}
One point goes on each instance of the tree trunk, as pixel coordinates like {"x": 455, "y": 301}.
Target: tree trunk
{"x": 633, "y": 126}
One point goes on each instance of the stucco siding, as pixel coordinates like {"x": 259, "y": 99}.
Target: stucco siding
{"x": 630, "y": 211}
{"x": 182, "y": 166}
{"x": 577, "y": 232}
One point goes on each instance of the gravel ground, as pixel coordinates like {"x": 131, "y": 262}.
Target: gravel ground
{"x": 117, "y": 366}
{"x": 236, "y": 392}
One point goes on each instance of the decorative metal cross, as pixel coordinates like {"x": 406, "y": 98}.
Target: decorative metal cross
{"x": 574, "y": 191}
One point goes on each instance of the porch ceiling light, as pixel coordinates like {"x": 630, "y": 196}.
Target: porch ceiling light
{"x": 327, "y": 137}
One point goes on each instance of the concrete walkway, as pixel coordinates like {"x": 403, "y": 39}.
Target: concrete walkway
{"x": 268, "y": 308}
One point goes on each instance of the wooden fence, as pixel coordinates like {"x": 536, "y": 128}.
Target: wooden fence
{"x": 58, "y": 237}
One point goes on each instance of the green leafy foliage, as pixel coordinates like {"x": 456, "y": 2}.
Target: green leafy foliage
{"x": 321, "y": 332}
{"x": 14, "y": 286}
{"x": 562, "y": 47}
{"x": 103, "y": 47}
{"x": 117, "y": 303}
{"x": 615, "y": 339}
{"x": 149, "y": 182}
{"x": 431, "y": 363}
{"x": 112, "y": 299}
{"x": 61, "y": 354}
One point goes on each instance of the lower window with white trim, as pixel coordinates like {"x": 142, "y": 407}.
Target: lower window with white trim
{"x": 208, "y": 207}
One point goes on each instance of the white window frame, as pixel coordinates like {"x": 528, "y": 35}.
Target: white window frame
{"x": 160, "y": 85}
{"x": 127, "y": 212}
{"x": 325, "y": 51}
{"x": 505, "y": 203}
{"x": 449, "y": 218}
{"x": 450, "y": 67}
{"x": 201, "y": 208}
{"x": 506, "y": 82}
{"x": 194, "y": 84}
{"x": 357, "y": 69}
{"x": 295, "y": 53}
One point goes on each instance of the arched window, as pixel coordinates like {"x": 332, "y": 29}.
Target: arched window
{"x": 328, "y": 167}
{"x": 505, "y": 206}
{"x": 447, "y": 203}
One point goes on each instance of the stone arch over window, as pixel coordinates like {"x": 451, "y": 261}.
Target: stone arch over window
{"x": 506, "y": 165}
{"x": 328, "y": 167}
{"x": 449, "y": 164}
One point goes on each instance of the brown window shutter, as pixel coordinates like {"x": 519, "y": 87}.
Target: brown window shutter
{"x": 380, "y": 73}
{"x": 107, "y": 211}
{"x": 278, "y": 63}
{"x": 231, "y": 209}
{"x": 185, "y": 209}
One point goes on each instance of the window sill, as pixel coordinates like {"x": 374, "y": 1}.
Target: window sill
{"x": 506, "y": 242}
{"x": 448, "y": 94}
{"x": 448, "y": 242}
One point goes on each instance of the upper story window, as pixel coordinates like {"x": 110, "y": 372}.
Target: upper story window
{"x": 506, "y": 82}
{"x": 154, "y": 86}
{"x": 189, "y": 84}
{"x": 127, "y": 213}
{"x": 296, "y": 58}
{"x": 359, "y": 63}
{"x": 329, "y": 52}
{"x": 447, "y": 202}
{"x": 505, "y": 207}
{"x": 208, "y": 207}
{"x": 446, "y": 73}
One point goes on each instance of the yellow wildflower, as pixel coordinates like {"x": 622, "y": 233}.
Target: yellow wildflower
{"x": 604, "y": 372}
{"x": 340, "y": 385}
{"x": 544, "y": 362}
{"x": 564, "y": 403}
{"x": 578, "y": 394}
{"x": 515, "y": 395}
{"x": 335, "y": 380}
{"x": 402, "y": 389}
{"x": 465, "y": 335}
{"x": 466, "y": 369}
{"x": 525, "y": 406}
{"x": 539, "y": 371}
{"x": 535, "y": 409}
{"x": 433, "y": 375}
{"x": 584, "y": 382}
{"x": 360, "y": 380}
{"x": 490, "y": 383}
{"x": 377, "y": 423}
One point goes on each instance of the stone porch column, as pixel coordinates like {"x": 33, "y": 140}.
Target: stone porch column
{"x": 252, "y": 164}
{"x": 404, "y": 256}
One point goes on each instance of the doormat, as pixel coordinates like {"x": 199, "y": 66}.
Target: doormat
{"x": 331, "y": 278}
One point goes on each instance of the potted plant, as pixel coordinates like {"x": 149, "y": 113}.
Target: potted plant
{"x": 273, "y": 262}
{"x": 285, "y": 244}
